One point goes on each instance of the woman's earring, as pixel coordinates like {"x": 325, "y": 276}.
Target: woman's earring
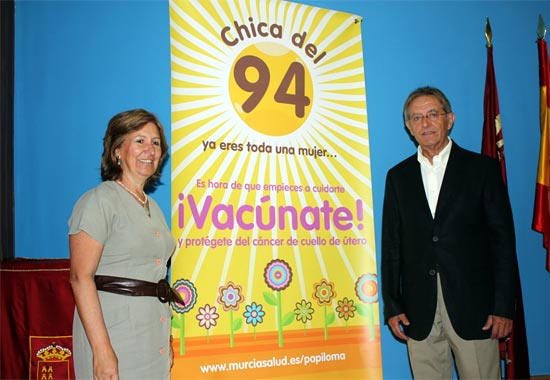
{"x": 118, "y": 160}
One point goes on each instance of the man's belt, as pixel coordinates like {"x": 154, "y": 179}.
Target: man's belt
{"x": 130, "y": 287}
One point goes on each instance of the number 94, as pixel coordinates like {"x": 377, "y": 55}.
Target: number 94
{"x": 295, "y": 73}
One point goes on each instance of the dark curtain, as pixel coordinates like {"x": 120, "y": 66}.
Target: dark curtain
{"x": 6, "y": 129}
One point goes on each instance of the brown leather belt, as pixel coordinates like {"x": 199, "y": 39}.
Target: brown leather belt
{"x": 130, "y": 287}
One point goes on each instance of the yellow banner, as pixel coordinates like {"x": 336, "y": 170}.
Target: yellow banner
{"x": 271, "y": 193}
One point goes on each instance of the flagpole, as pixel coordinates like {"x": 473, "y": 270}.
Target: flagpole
{"x": 541, "y": 29}
{"x": 488, "y": 33}
{"x": 513, "y": 349}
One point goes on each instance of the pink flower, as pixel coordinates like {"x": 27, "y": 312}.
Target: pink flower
{"x": 230, "y": 296}
{"x": 277, "y": 274}
{"x": 207, "y": 316}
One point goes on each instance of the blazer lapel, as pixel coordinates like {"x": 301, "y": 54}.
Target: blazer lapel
{"x": 416, "y": 188}
{"x": 451, "y": 180}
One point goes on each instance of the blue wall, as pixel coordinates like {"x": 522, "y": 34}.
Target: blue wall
{"x": 79, "y": 62}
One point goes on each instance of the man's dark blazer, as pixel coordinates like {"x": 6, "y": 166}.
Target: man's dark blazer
{"x": 470, "y": 242}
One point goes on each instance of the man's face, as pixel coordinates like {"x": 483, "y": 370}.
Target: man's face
{"x": 429, "y": 124}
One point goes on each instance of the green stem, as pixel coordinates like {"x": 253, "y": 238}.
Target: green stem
{"x": 326, "y": 325}
{"x": 231, "y": 339}
{"x": 182, "y": 333}
{"x": 371, "y": 321}
{"x": 280, "y": 318}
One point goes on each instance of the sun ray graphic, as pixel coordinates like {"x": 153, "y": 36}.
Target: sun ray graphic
{"x": 270, "y": 151}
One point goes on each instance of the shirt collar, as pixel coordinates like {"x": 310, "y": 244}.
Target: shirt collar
{"x": 439, "y": 159}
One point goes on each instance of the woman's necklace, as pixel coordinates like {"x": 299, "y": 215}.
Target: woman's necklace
{"x": 143, "y": 202}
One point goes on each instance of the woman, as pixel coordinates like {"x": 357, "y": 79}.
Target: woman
{"x": 119, "y": 246}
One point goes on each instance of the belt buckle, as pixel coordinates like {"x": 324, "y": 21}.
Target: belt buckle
{"x": 163, "y": 291}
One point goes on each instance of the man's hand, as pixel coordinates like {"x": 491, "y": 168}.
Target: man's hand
{"x": 395, "y": 325}
{"x": 500, "y": 327}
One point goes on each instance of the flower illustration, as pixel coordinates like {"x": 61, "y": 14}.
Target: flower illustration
{"x": 188, "y": 293}
{"x": 207, "y": 316}
{"x": 323, "y": 292}
{"x": 277, "y": 274}
{"x": 303, "y": 311}
{"x": 230, "y": 296}
{"x": 346, "y": 309}
{"x": 366, "y": 288}
{"x": 254, "y": 314}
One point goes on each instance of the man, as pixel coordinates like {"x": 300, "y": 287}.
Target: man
{"x": 448, "y": 249}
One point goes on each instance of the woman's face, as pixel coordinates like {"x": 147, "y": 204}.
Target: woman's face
{"x": 140, "y": 153}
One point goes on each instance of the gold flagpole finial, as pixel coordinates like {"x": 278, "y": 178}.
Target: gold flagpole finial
{"x": 488, "y": 33}
{"x": 541, "y": 29}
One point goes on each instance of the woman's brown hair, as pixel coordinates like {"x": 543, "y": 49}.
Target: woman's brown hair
{"x": 119, "y": 126}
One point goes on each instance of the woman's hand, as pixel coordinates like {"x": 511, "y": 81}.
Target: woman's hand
{"x": 106, "y": 365}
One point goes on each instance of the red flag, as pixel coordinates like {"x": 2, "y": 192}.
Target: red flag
{"x": 541, "y": 214}
{"x": 492, "y": 143}
{"x": 513, "y": 350}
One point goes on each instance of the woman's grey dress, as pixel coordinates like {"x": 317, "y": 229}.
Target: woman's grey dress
{"x": 134, "y": 246}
